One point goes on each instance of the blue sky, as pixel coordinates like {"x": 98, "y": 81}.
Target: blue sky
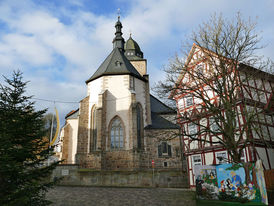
{"x": 58, "y": 44}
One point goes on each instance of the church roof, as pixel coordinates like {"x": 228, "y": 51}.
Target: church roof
{"x": 72, "y": 114}
{"x": 116, "y": 63}
{"x": 159, "y": 107}
{"x": 158, "y": 122}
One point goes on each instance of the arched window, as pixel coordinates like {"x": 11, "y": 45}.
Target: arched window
{"x": 116, "y": 134}
{"x": 139, "y": 127}
{"x": 93, "y": 132}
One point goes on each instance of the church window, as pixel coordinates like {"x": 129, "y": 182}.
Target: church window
{"x": 93, "y": 130}
{"x": 164, "y": 149}
{"x": 139, "y": 126}
{"x": 131, "y": 83}
{"x": 116, "y": 134}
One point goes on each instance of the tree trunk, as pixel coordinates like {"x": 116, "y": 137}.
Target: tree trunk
{"x": 247, "y": 172}
{"x": 254, "y": 178}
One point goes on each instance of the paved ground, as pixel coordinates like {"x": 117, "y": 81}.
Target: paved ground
{"x": 102, "y": 196}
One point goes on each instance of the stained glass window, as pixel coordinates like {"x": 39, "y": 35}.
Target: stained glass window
{"x": 116, "y": 134}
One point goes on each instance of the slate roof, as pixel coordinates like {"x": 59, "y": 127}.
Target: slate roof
{"x": 115, "y": 64}
{"x": 158, "y": 122}
{"x": 159, "y": 107}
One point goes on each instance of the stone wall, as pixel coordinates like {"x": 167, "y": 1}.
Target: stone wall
{"x": 67, "y": 133}
{"x": 82, "y": 144}
{"x": 155, "y": 137}
{"x": 72, "y": 175}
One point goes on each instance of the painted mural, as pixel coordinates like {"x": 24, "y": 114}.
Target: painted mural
{"x": 229, "y": 182}
{"x": 232, "y": 183}
{"x": 206, "y": 181}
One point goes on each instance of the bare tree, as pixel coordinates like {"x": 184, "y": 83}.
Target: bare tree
{"x": 212, "y": 76}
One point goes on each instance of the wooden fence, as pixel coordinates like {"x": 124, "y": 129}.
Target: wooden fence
{"x": 269, "y": 179}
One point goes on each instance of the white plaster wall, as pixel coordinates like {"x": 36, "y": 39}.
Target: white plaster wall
{"x": 59, "y": 148}
{"x": 262, "y": 156}
{"x": 72, "y": 140}
{"x": 118, "y": 98}
{"x": 118, "y": 101}
{"x": 190, "y": 171}
{"x": 208, "y": 158}
{"x": 93, "y": 89}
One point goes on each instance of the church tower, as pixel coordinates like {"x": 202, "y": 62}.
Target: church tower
{"x": 117, "y": 108}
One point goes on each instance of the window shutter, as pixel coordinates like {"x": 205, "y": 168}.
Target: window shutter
{"x": 169, "y": 150}
{"x": 160, "y": 150}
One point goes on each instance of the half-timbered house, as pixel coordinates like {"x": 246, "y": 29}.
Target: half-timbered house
{"x": 254, "y": 92}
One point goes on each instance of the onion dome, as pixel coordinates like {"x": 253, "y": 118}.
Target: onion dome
{"x": 132, "y": 50}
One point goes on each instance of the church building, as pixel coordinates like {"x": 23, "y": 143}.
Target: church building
{"x": 119, "y": 125}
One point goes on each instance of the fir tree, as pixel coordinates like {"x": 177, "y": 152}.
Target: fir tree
{"x": 24, "y": 173}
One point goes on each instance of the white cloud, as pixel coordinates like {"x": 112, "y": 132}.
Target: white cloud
{"x": 26, "y": 49}
{"x": 58, "y": 48}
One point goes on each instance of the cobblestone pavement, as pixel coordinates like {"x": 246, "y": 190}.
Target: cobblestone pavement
{"x": 102, "y": 196}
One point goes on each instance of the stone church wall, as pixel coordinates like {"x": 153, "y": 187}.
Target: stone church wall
{"x": 72, "y": 175}
{"x": 154, "y": 138}
{"x": 82, "y": 146}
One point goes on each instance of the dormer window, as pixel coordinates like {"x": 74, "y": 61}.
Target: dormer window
{"x": 118, "y": 64}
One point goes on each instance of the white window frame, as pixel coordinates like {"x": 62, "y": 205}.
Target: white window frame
{"x": 224, "y": 161}
{"x": 198, "y": 162}
{"x": 191, "y": 128}
{"x": 189, "y": 100}
{"x": 213, "y": 125}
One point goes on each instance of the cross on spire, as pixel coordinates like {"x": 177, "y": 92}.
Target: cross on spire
{"x": 118, "y": 13}
{"x": 118, "y": 40}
